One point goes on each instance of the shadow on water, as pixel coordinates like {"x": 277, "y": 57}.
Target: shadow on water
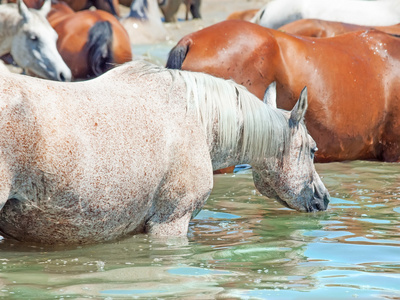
{"x": 240, "y": 246}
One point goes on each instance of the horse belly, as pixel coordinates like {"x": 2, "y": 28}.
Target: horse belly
{"x": 48, "y": 209}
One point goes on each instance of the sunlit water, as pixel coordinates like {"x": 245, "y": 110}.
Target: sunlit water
{"x": 241, "y": 246}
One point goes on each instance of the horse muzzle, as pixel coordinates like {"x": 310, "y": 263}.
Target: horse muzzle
{"x": 320, "y": 199}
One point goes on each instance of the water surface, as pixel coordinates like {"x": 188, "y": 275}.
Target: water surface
{"x": 241, "y": 246}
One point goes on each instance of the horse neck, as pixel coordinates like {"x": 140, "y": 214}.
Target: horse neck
{"x": 286, "y": 69}
{"x": 244, "y": 130}
{"x": 10, "y": 21}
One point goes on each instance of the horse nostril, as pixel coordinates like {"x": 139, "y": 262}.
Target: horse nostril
{"x": 62, "y": 77}
{"x": 321, "y": 199}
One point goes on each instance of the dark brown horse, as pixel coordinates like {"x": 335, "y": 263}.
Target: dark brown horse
{"x": 90, "y": 42}
{"x": 353, "y": 81}
{"x": 321, "y": 28}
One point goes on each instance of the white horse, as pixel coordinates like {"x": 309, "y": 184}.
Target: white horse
{"x": 134, "y": 151}
{"x": 277, "y": 13}
{"x": 31, "y": 41}
{"x": 143, "y": 24}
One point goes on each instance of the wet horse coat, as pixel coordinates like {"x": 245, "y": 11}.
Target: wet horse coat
{"x": 353, "y": 81}
{"x": 91, "y": 42}
{"x": 133, "y": 151}
{"x": 321, "y": 28}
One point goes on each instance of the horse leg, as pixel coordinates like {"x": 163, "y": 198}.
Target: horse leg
{"x": 5, "y": 183}
{"x": 183, "y": 193}
{"x": 187, "y": 6}
{"x": 176, "y": 205}
{"x": 195, "y": 9}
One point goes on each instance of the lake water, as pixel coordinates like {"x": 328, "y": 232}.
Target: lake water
{"x": 241, "y": 246}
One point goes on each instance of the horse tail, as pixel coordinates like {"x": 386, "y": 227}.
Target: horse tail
{"x": 99, "y": 47}
{"x": 178, "y": 54}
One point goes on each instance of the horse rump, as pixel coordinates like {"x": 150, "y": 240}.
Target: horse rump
{"x": 99, "y": 47}
{"x": 177, "y": 55}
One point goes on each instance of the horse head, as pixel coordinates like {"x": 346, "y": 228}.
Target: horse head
{"x": 292, "y": 178}
{"x": 34, "y": 46}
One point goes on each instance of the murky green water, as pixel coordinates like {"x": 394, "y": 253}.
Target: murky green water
{"x": 241, "y": 246}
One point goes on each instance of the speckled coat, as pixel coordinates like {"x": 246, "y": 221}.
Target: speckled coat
{"x": 93, "y": 161}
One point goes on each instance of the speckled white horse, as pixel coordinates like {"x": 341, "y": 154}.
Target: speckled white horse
{"x": 134, "y": 151}
{"x": 277, "y": 13}
{"x": 31, "y": 41}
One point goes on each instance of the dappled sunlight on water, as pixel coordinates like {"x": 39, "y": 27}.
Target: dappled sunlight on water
{"x": 240, "y": 246}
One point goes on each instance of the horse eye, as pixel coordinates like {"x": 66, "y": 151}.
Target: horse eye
{"x": 314, "y": 149}
{"x": 33, "y": 37}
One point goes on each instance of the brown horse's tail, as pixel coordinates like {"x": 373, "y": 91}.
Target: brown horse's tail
{"x": 178, "y": 54}
{"x": 99, "y": 47}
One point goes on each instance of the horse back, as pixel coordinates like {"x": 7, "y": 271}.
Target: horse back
{"x": 322, "y": 28}
{"x": 243, "y": 44}
{"x": 344, "y": 101}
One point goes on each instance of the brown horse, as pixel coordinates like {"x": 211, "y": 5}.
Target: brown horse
{"x": 321, "y": 28}
{"x": 90, "y": 42}
{"x": 111, "y": 6}
{"x": 245, "y": 15}
{"x": 353, "y": 81}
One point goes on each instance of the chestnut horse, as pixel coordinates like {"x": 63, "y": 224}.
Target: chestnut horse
{"x": 90, "y": 42}
{"x": 353, "y": 81}
{"x": 111, "y": 6}
{"x": 133, "y": 151}
{"x": 321, "y": 28}
{"x": 245, "y": 15}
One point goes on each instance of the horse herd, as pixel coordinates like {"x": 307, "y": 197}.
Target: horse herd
{"x": 133, "y": 150}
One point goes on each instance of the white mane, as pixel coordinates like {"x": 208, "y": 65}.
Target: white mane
{"x": 261, "y": 130}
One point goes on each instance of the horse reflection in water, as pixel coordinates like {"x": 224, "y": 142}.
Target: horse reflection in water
{"x": 28, "y": 36}
{"x": 133, "y": 151}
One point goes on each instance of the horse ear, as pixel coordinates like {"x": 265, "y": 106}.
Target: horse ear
{"x": 299, "y": 110}
{"x": 46, "y": 7}
{"x": 270, "y": 95}
{"x": 23, "y": 10}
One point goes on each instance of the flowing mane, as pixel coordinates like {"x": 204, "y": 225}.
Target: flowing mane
{"x": 264, "y": 129}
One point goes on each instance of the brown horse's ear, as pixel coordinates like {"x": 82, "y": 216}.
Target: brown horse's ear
{"x": 270, "y": 95}
{"x": 23, "y": 10}
{"x": 46, "y": 7}
{"x": 299, "y": 110}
